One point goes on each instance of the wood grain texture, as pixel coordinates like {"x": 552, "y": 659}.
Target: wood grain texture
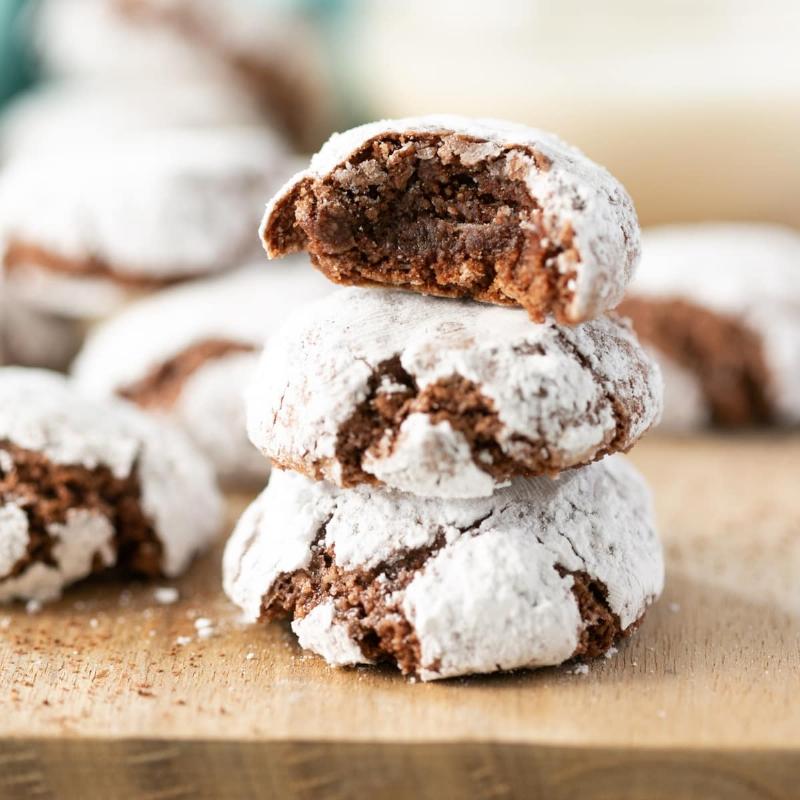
{"x": 97, "y": 698}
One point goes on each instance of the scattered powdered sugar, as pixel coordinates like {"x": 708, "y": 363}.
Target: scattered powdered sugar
{"x": 550, "y": 384}
{"x": 573, "y": 192}
{"x": 491, "y": 597}
{"x": 204, "y": 627}
{"x": 166, "y": 595}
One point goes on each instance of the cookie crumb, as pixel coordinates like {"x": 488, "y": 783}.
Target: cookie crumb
{"x": 250, "y": 656}
{"x": 205, "y": 627}
{"x": 183, "y": 640}
{"x": 611, "y": 652}
{"x": 580, "y": 669}
{"x": 166, "y": 595}
{"x": 94, "y": 623}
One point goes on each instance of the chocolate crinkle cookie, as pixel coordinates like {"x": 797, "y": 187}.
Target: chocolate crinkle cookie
{"x": 445, "y": 398}
{"x": 718, "y": 305}
{"x": 460, "y": 207}
{"x": 541, "y": 572}
{"x": 87, "y": 487}
{"x": 187, "y": 353}
{"x": 84, "y": 230}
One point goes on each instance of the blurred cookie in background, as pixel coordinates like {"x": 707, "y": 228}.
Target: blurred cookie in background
{"x": 84, "y": 231}
{"x": 33, "y": 338}
{"x": 268, "y": 51}
{"x": 719, "y": 306}
{"x": 187, "y": 353}
{"x": 61, "y": 116}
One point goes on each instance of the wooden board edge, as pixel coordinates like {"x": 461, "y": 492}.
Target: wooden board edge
{"x": 159, "y": 770}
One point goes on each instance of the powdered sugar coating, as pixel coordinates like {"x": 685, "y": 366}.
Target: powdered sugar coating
{"x": 40, "y": 411}
{"x": 491, "y": 597}
{"x": 244, "y": 307}
{"x": 747, "y": 271}
{"x": 551, "y": 386}
{"x": 249, "y": 46}
{"x": 64, "y": 116}
{"x": 573, "y": 192}
{"x": 169, "y": 204}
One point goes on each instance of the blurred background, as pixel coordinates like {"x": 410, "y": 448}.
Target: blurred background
{"x": 694, "y": 104}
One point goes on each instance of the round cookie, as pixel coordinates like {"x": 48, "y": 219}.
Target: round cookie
{"x": 462, "y": 207}
{"x": 719, "y": 306}
{"x": 83, "y": 231}
{"x": 541, "y": 572}
{"x": 86, "y": 487}
{"x": 64, "y": 116}
{"x": 268, "y": 51}
{"x": 188, "y": 353}
{"x": 445, "y": 398}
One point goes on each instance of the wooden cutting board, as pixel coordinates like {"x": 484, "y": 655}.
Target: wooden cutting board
{"x": 99, "y": 699}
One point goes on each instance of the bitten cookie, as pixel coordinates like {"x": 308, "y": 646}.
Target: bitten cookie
{"x": 459, "y": 207}
{"x": 445, "y": 398}
{"x": 80, "y": 231}
{"x": 188, "y": 353}
{"x": 266, "y": 50}
{"x": 85, "y": 487}
{"x": 541, "y": 572}
{"x": 719, "y": 305}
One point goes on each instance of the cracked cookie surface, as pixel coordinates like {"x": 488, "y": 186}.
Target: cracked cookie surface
{"x": 458, "y": 207}
{"x": 541, "y": 572}
{"x": 86, "y": 487}
{"x": 445, "y": 398}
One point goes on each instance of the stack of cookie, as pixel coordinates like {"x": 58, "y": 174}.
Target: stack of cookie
{"x": 442, "y": 510}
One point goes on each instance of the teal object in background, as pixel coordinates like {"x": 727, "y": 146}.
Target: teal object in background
{"x": 16, "y": 63}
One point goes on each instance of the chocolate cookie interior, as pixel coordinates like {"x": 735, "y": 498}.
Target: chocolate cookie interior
{"x": 366, "y": 601}
{"x": 162, "y": 385}
{"x": 443, "y": 214}
{"x": 723, "y": 354}
{"x": 46, "y": 491}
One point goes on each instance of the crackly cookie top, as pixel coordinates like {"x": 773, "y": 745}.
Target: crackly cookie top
{"x": 462, "y": 207}
{"x": 169, "y": 204}
{"x": 451, "y": 587}
{"x": 135, "y": 468}
{"x": 445, "y": 398}
{"x": 723, "y": 300}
